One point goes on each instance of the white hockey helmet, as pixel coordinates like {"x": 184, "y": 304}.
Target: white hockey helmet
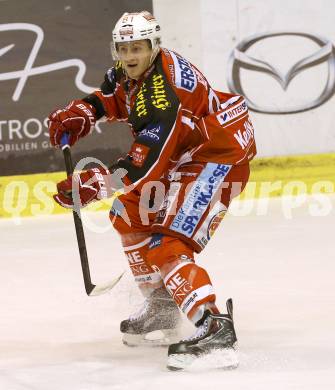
{"x": 134, "y": 27}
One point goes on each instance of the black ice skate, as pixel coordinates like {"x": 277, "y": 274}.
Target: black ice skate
{"x": 212, "y": 346}
{"x": 156, "y": 323}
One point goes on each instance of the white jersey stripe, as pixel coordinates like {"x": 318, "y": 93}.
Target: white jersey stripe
{"x": 136, "y": 246}
{"x": 230, "y": 101}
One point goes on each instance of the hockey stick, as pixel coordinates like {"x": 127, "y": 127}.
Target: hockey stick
{"x": 91, "y": 289}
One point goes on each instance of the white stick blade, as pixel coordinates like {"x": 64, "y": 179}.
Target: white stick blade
{"x": 104, "y": 288}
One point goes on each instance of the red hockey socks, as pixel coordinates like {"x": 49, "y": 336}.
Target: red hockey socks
{"x": 187, "y": 283}
{"x": 136, "y": 251}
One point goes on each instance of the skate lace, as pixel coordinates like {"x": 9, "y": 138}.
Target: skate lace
{"x": 140, "y": 312}
{"x": 201, "y": 331}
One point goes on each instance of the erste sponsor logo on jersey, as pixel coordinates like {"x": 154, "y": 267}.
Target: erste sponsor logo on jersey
{"x": 141, "y": 100}
{"x": 139, "y": 154}
{"x": 151, "y": 132}
{"x": 199, "y": 198}
{"x": 185, "y": 77}
{"x": 244, "y": 137}
{"x": 159, "y": 97}
{"x": 201, "y": 78}
{"x": 228, "y": 115}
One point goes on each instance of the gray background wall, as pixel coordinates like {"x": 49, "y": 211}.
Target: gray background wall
{"x": 72, "y": 29}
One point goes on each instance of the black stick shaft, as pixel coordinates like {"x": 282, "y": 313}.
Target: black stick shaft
{"x": 79, "y": 229}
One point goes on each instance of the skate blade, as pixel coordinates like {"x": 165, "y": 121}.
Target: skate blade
{"x": 156, "y": 338}
{"x": 226, "y": 359}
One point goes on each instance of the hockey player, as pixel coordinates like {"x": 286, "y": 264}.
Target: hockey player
{"x": 193, "y": 142}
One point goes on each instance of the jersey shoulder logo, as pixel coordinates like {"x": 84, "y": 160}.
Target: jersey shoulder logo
{"x": 184, "y": 74}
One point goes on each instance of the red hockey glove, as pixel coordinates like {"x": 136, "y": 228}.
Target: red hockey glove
{"x": 76, "y": 119}
{"x": 91, "y": 185}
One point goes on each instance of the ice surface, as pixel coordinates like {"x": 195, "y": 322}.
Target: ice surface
{"x": 280, "y": 273}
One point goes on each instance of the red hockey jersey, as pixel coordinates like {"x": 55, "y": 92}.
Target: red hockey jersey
{"x": 175, "y": 116}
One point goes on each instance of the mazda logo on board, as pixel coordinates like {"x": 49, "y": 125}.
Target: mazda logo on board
{"x": 239, "y": 59}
